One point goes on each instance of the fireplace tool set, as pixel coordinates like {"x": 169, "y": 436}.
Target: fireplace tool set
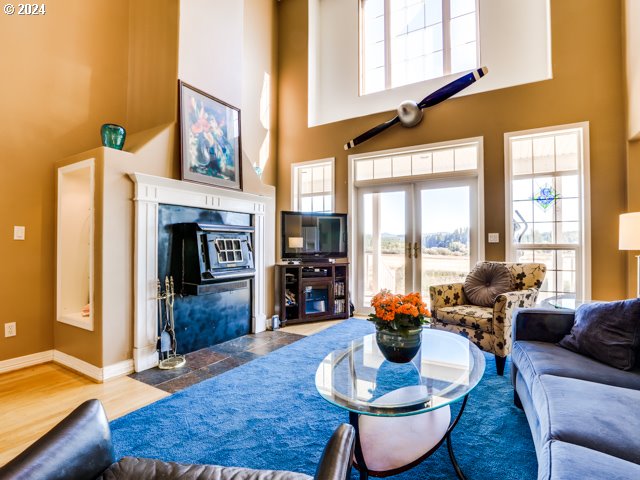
{"x": 168, "y": 346}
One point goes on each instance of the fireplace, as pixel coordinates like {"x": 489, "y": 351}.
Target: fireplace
{"x": 160, "y": 205}
{"x": 209, "y": 254}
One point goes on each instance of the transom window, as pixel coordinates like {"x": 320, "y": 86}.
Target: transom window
{"x": 409, "y": 41}
{"x": 312, "y": 186}
{"x": 421, "y": 162}
{"x": 547, "y": 191}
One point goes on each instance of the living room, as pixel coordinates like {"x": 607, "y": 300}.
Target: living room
{"x": 291, "y": 74}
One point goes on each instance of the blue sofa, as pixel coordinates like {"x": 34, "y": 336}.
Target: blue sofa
{"x": 584, "y": 415}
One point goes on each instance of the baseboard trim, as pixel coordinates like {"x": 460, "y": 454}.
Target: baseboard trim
{"x": 26, "y": 361}
{"x": 117, "y": 369}
{"x": 80, "y": 366}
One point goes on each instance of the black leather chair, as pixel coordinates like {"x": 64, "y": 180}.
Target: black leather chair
{"x": 80, "y": 448}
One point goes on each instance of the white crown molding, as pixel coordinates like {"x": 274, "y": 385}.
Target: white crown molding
{"x": 26, "y": 361}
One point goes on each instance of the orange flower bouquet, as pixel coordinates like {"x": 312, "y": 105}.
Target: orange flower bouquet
{"x": 396, "y": 312}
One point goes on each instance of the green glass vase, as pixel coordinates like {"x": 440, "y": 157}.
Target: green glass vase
{"x": 113, "y": 135}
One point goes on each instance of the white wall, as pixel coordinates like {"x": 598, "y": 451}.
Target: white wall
{"x": 211, "y": 47}
{"x": 507, "y": 29}
{"x": 225, "y": 50}
{"x": 633, "y": 66}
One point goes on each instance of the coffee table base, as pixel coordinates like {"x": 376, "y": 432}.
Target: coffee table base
{"x": 381, "y": 452}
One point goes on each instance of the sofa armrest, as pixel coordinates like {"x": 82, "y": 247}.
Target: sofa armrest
{"x": 78, "y": 447}
{"x": 337, "y": 457}
{"x": 541, "y": 324}
{"x": 446, "y": 295}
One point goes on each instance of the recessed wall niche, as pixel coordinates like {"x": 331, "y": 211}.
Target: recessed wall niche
{"x": 74, "y": 299}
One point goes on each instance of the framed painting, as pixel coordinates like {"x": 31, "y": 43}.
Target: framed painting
{"x": 210, "y": 147}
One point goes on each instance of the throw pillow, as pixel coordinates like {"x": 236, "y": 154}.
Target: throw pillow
{"x": 607, "y": 331}
{"x": 486, "y": 281}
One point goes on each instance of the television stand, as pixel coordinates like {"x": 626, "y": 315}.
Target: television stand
{"x": 313, "y": 291}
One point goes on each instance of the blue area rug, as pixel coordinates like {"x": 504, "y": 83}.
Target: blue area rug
{"x": 268, "y": 414}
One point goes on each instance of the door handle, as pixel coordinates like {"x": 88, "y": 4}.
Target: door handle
{"x": 408, "y": 249}
{"x": 416, "y": 249}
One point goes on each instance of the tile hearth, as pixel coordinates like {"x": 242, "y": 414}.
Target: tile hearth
{"x": 209, "y": 362}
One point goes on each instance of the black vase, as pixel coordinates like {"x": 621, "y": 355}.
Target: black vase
{"x": 399, "y": 346}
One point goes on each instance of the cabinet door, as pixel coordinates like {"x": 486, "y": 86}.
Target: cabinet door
{"x": 317, "y": 298}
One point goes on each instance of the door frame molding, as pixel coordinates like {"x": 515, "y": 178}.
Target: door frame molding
{"x": 352, "y": 193}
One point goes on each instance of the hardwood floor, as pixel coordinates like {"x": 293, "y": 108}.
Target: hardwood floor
{"x": 34, "y": 399}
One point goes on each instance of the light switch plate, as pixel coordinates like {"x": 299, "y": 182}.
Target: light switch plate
{"x": 18, "y": 232}
{"x": 494, "y": 238}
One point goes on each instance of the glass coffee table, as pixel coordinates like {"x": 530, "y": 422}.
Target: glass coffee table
{"x": 401, "y": 411}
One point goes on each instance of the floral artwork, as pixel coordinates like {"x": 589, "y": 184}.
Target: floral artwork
{"x": 210, "y": 139}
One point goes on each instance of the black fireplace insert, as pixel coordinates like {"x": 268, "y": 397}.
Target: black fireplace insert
{"x": 205, "y": 255}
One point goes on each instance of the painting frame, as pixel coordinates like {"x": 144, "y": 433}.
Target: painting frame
{"x": 210, "y": 139}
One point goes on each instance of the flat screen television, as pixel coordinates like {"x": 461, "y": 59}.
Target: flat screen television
{"x": 313, "y": 235}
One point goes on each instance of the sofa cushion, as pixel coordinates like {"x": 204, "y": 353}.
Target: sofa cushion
{"x": 595, "y": 416}
{"x": 565, "y": 461}
{"x": 486, "y": 281}
{"x": 150, "y": 469}
{"x": 607, "y": 331}
{"x": 472, "y": 316}
{"x": 533, "y": 359}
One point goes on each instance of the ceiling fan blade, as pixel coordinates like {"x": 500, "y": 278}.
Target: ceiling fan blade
{"x": 371, "y": 133}
{"x": 452, "y": 88}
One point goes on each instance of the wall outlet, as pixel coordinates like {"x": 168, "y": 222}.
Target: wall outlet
{"x": 494, "y": 238}
{"x": 18, "y": 232}
{"x": 10, "y": 329}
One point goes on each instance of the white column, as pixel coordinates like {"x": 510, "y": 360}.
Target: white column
{"x": 145, "y": 273}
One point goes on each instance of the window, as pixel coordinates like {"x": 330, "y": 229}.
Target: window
{"x": 547, "y": 194}
{"x": 420, "y": 162}
{"x": 312, "y": 186}
{"x": 409, "y": 41}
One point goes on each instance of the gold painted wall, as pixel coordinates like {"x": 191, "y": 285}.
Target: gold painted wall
{"x": 152, "y": 93}
{"x": 63, "y": 75}
{"x": 631, "y": 27}
{"x": 587, "y": 85}
{"x": 83, "y": 64}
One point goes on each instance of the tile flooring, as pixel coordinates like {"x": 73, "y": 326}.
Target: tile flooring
{"x": 212, "y": 361}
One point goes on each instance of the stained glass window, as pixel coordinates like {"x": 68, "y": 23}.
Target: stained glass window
{"x": 546, "y": 207}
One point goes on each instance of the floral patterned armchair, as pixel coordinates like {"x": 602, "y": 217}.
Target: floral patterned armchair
{"x": 488, "y": 327}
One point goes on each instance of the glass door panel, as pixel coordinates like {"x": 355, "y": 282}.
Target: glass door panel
{"x": 445, "y": 235}
{"x": 316, "y": 299}
{"x": 384, "y": 240}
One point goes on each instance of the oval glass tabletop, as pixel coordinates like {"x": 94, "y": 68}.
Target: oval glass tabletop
{"x": 359, "y": 379}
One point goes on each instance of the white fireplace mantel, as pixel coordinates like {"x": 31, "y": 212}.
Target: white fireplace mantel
{"x": 150, "y": 192}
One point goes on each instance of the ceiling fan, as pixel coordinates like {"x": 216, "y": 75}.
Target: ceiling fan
{"x": 410, "y": 112}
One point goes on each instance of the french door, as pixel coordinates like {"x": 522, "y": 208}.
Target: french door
{"x": 413, "y": 235}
